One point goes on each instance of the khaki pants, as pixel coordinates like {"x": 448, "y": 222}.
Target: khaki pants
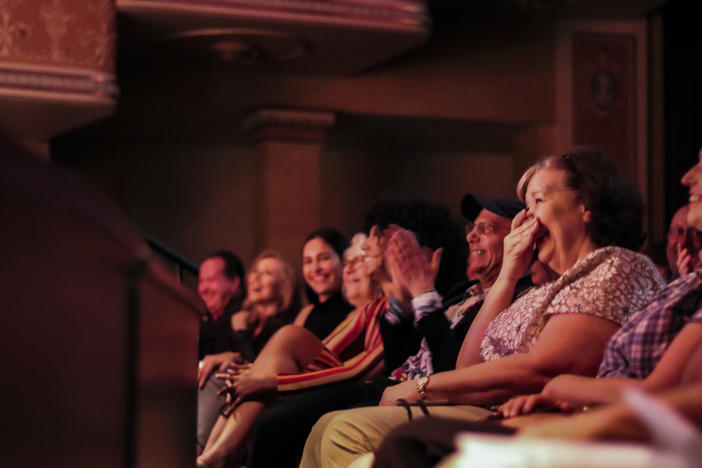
{"x": 340, "y": 437}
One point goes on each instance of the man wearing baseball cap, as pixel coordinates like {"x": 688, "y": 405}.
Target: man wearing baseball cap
{"x": 443, "y": 324}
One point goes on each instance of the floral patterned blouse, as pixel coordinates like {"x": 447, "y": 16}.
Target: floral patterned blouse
{"x": 611, "y": 282}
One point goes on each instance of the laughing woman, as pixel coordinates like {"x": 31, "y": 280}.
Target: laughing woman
{"x": 272, "y": 303}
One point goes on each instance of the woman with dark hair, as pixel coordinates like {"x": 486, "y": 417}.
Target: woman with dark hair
{"x": 583, "y": 215}
{"x": 322, "y": 271}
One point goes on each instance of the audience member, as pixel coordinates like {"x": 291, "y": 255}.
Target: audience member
{"x": 273, "y": 300}
{"x": 683, "y": 245}
{"x": 652, "y": 349}
{"x": 220, "y": 286}
{"x": 618, "y": 422}
{"x": 322, "y": 271}
{"x": 583, "y": 216}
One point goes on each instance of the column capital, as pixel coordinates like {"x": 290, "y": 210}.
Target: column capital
{"x": 288, "y": 125}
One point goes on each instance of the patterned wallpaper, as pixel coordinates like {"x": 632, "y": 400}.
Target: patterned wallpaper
{"x": 64, "y": 33}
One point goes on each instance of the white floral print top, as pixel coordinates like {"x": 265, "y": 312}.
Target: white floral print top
{"x": 611, "y": 282}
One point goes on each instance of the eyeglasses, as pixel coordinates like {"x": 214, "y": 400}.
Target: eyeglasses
{"x": 689, "y": 233}
{"x": 357, "y": 260}
{"x": 483, "y": 228}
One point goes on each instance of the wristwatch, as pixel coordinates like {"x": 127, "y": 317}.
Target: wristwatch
{"x": 422, "y": 386}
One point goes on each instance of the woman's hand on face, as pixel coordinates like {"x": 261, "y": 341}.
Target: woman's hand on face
{"x": 411, "y": 271}
{"x": 519, "y": 245}
{"x": 684, "y": 261}
{"x": 406, "y": 390}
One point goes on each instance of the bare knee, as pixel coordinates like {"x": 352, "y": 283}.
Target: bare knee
{"x": 292, "y": 347}
{"x": 290, "y": 337}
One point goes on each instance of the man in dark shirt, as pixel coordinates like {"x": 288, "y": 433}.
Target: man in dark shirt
{"x": 221, "y": 287}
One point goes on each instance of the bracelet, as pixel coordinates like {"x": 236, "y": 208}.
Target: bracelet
{"x": 422, "y": 386}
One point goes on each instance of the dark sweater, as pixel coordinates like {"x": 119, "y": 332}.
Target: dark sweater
{"x": 216, "y": 336}
{"x": 325, "y": 317}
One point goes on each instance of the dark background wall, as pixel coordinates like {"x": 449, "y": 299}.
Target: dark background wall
{"x": 682, "y": 49}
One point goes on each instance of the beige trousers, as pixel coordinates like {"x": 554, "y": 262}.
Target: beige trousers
{"x": 340, "y": 437}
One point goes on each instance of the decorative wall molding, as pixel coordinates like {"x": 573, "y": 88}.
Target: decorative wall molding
{"x": 236, "y": 46}
{"x": 402, "y": 13}
{"x": 57, "y": 63}
{"x": 76, "y": 33}
{"x": 292, "y": 125}
{"x": 92, "y": 85}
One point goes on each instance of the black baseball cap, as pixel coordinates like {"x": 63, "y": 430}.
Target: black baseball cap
{"x": 506, "y": 207}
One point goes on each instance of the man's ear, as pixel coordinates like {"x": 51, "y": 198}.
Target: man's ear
{"x": 427, "y": 253}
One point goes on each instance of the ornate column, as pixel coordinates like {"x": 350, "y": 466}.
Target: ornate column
{"x": 288, "y": 143}
{"x": 57, "y": 60}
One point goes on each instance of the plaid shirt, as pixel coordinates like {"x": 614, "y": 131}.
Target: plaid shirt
{"x": 636, "y": 348}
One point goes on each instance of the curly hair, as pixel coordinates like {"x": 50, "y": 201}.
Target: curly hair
{"x": 434, "y": 228}
{"x": 606, "y": 190}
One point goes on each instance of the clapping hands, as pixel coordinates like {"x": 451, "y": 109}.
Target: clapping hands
{"x": 412, "y": 270}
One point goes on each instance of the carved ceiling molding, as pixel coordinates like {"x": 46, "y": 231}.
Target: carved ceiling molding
{"x": 407, "y": 13}
{"x": 57, "y": 64}
{"x": 236, "y": 46}
{"x": 291, "y": 125}
{"x": 71, "y": 33}
{"x": 22, "y": 80}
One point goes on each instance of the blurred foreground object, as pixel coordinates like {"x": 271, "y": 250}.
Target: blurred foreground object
{"x": 676, "y": 444}
{"x": 99, "y": 342}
